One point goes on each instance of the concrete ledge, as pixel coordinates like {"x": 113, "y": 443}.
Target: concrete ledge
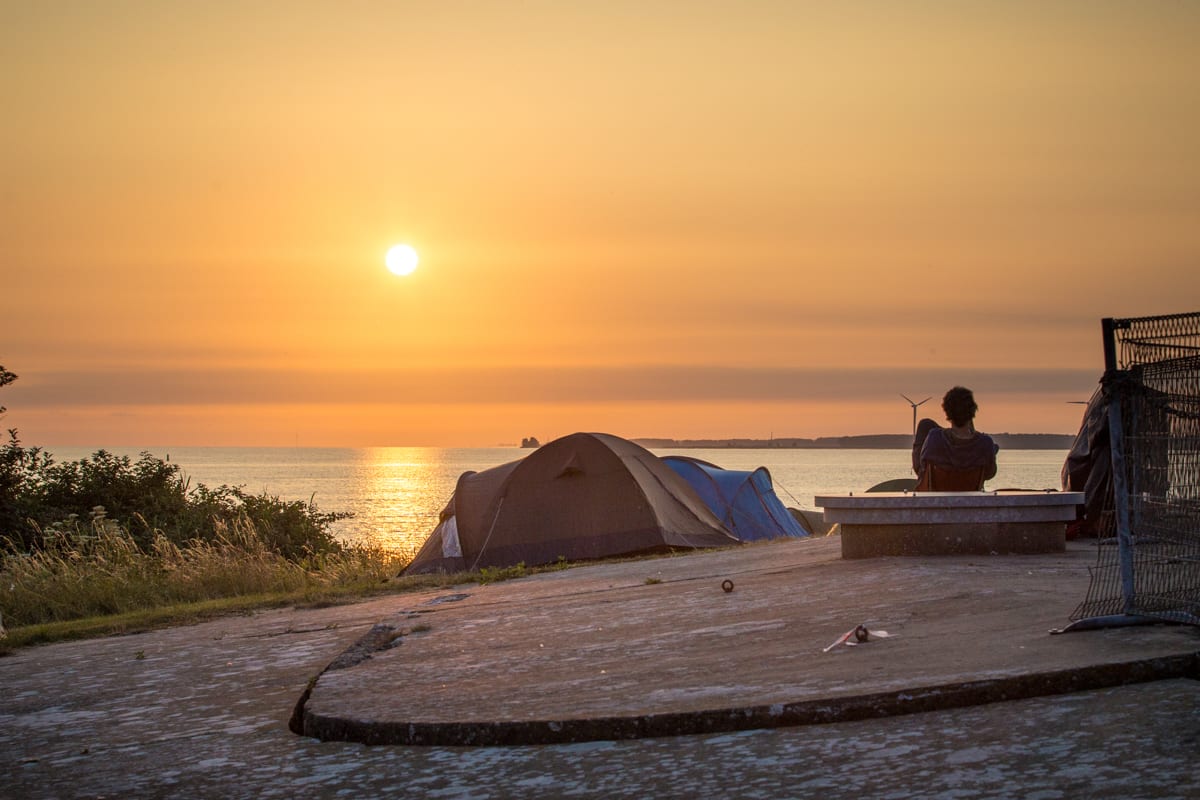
{"x": 972, "y": 538}
{"x": 950, "y": 523}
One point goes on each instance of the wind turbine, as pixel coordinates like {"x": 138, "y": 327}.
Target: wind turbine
{"x": 914, "y": 407}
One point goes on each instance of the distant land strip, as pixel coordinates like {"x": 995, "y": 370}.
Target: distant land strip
{"x": 878, "y": 441}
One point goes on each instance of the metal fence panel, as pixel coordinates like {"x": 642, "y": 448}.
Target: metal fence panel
{"x": 1148, "y": 562}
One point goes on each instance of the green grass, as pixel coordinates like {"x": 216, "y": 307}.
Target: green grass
{"x": 98, "y": 581}
{"x": 497, "y": 574}
{"x": 190, "y": 613}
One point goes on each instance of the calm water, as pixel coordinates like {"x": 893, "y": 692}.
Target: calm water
{"x": 395, "y": 493}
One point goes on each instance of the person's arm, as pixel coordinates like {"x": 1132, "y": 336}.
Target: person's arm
{"x": 922, "y": 435}
{"x": 934, "y": 445}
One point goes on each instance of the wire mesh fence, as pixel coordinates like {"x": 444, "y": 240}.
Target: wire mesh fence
{"x": 1149, "y": 546}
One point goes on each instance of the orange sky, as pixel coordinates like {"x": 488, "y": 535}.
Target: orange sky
{"x": 676, "y": 219}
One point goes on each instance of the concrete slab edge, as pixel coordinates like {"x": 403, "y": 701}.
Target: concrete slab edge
{"x": 380, "y": 637}
{"x": 913, "y": 700}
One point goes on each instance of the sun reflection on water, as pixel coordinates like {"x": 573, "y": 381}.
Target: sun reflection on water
{"x": 399, "y": 491}
{"x": 398, "y": 487}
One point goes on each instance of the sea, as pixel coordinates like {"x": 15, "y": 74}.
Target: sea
{"x": 396, "y": 493}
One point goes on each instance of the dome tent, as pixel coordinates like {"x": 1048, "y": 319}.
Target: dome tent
{"x": 745, "y": 501}
{"x": 586, "y": 495}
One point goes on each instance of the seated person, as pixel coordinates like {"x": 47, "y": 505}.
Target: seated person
{"x": 959, "y": 447}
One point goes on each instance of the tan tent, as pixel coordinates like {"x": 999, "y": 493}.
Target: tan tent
{"x": 587, "y": 495}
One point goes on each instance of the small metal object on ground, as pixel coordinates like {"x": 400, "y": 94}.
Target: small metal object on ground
{"x": 856, "y": 635}
{"x": 727, "y": 585}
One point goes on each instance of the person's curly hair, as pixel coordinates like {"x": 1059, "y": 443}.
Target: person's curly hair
{"x": 959, "y": 405}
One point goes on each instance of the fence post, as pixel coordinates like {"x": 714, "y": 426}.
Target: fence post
{"x": 1108, "y": 328}
{"x": 1117, "y": 399}
{"x": 1120, "y": 478}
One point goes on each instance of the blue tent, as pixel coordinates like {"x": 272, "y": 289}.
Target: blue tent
{"x": 745, "y": 501}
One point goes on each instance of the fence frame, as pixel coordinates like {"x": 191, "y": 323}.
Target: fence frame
{"x": 1173, "y": 339}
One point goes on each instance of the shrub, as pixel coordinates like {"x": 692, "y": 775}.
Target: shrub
{"x": 21, "y": 469}
{"x": 147, "y": 498}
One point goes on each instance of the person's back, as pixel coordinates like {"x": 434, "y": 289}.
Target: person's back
{"x": 945, "y": 449}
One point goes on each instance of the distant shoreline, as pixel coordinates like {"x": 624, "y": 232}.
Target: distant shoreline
{"x": 879, "y": 441}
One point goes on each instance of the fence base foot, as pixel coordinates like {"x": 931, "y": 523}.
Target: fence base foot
{"x": 1111, "y": 621}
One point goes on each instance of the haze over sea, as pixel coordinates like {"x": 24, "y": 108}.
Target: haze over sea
{"x": 396, "y": 493}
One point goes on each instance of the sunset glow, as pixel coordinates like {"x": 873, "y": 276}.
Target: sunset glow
{"x": 654, "y": 220}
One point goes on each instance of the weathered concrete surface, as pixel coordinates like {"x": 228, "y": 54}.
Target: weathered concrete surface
{"x": 611, "y": 655}
{"x": 202, "y": 711}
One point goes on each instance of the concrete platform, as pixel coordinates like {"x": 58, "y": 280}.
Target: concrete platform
{"x": 950, "y": 523}
{"x": 202, "y": 711}
{"x": 659, "y": 648}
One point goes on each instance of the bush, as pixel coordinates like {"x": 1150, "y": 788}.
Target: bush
{"x": 21, "y": 469}
{"x": 148, "y": 499}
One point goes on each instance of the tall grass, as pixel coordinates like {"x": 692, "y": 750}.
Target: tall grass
{"x": 97, "y": 568}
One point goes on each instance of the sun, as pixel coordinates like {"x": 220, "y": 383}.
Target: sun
{"x": 402, "y": 259}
